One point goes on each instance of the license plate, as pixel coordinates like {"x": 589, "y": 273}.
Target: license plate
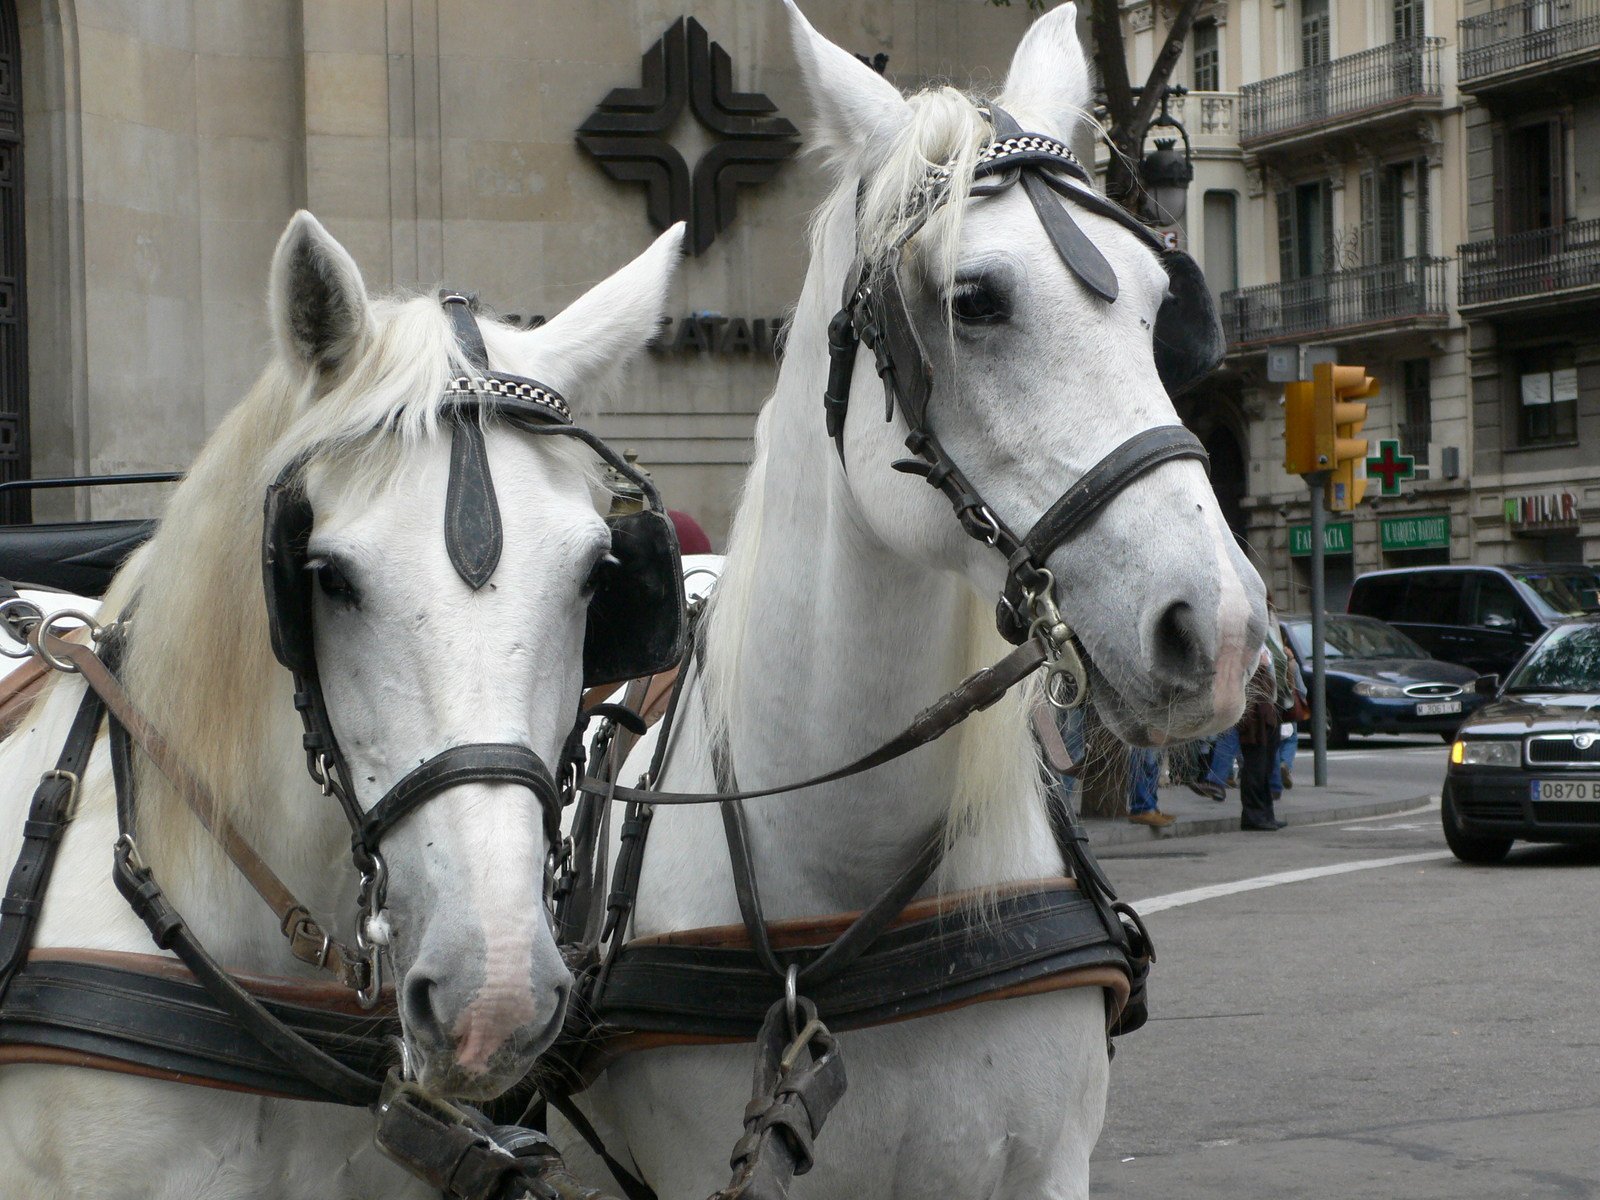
{"x": 1578, "y": 790}
{"x": 1438, "y": 708}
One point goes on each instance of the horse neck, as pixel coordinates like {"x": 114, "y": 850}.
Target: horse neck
{"x": 841, "y": 643}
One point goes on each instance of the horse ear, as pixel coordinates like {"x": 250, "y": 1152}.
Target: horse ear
{"x": 320, "y": 313}
{"x": 856, "y": 112}
{"x": 611, "y": 323}
{"x": 1049, "y": 77}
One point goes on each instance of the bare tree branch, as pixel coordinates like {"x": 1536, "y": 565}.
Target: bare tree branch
{"x": 1166, "y": 60}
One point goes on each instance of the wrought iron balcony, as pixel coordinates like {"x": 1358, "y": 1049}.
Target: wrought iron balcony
{"x": 1337, "y": 303}
{"x": 1346, "y": 91}
{"x": 1528, "y": 38}
{"x": 1531, "y": 267}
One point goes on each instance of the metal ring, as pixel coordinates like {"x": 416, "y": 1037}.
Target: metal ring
{"x": 1066, "y": 671}
{"x": 46, "y": 629}
{"x": 19, "y": 611}
{"x": 791, "y": 996}
{"x": 369, "y": 995}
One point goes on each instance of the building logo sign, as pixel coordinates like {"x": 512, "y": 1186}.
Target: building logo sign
{"x": 629, "y": 134}
{"x": 1414, "y": 533}
{"x": 1337, "y": 538}
{"x": 1542, "y": 510}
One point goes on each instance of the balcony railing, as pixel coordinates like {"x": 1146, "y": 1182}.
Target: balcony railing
{"x": 1346, "y": 87}
{"x": 1521, "y": 35}
{"x": 1325, "y": 305}
{"x": 1525, "y": 265}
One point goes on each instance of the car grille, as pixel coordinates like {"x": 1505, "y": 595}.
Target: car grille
{"x": 1560, "y": 750}
{"x": 1567, "y": 814}
{"x": 1434, "y": 691}
{"x": 1489, "y": 810}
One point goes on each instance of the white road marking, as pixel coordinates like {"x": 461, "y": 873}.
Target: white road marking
{"x": 1215, "y": 891}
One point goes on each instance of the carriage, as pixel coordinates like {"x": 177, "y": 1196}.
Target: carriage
{"x": 362, "y": 632}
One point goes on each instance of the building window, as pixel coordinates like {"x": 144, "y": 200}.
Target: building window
{"x": 1222, "y": 241}
{"x": 1394, "y": 212}
{"x": 1207, "y": 66}
{"x": 1314, "y": 33}
{"x": 1530, "y": 177}
{"x": 1407, "y": 20}
{"x": 1416, "y": 427}
{"x": 1547, "y": 396}
{"x": 1305, "y": 231}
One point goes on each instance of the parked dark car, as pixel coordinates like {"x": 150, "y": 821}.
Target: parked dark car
{"x": 1527, "y": 766}
{"x": 1481, "y": 617}
{"x": 1380, "y": 681}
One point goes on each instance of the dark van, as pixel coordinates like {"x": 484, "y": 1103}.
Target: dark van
{"x": 1480, "y": 617}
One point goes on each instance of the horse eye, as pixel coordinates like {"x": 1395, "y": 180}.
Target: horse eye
{"x": 604, "y": 569}
{"x": 335, "y": 584}
{"x": 975, "y": 302}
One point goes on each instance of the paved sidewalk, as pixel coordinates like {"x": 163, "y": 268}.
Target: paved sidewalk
{"x": 1303, "y": 804}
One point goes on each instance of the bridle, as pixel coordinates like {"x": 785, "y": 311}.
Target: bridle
{"x": 1188, "y": 343}
{"x": 473, "y": 538}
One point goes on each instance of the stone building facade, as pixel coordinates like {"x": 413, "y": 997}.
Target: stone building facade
{"x": 156, "y": 148}
{"x": 1356, "y": 196}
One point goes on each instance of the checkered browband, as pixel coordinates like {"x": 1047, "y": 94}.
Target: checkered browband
{"x": 1018, "y": 150}
{"x": 509, "y": 387}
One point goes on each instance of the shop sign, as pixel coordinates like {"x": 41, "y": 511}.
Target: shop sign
{"x": 1337, "y": 538}
{"x": 1415, "y": 533}
{"x": 1542, "y": 510}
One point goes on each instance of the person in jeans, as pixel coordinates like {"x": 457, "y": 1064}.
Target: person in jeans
{"x": 1259, "y": 734}
{"x": 1144, "y": 769}
{"x": 1224, "y": 752}
{"x": 1295, "y": 706}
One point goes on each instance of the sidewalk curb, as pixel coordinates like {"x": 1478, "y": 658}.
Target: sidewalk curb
{"x": 1112, "y": 832}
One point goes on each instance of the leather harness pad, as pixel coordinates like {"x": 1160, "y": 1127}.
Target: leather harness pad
{"x": 146, "y": 1015}
{"x": 940, "y": 954}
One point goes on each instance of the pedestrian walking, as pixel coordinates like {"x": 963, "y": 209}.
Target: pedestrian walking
{"x": 1144, "y": 770}
{"x": 1213, "y": 784}
{"x": 1259, "y": 734}
{"x": 1296, "y": 710}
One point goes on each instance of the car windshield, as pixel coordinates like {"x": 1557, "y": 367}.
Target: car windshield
{"x": 1566, "y": 593}
{"x": 1568, "y": 660}
{"x": 1354, "y": 637}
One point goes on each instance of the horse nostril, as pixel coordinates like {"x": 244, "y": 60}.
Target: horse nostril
{"x": 1178, "y": 650}
{"x": 420, "y": 1005}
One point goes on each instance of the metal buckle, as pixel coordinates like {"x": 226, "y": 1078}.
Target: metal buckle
{"x": 73, "y": 783}
{"x": 1066, "y": 682}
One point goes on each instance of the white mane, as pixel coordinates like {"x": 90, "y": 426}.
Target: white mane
{"x": 996, "y": 758}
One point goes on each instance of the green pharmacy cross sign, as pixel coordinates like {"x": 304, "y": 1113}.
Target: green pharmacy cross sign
{"x": 1390, "y": 466}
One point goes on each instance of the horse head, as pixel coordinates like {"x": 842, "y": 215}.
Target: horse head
{"x": 439, "y": 620}
{"x": 1048, "y": 349}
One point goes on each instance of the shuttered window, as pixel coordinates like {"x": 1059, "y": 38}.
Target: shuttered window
{"x": 1207, "y": 63}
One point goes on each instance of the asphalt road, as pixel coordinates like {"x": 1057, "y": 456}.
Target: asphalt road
{"x": 1409, "y": 1031}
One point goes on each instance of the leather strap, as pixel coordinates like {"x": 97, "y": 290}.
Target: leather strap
{"x": 171, "y": 932}
{"x": 473, "y": 536}
{"x": 477, "y": 762}
{"x": 307, "y": 940}
{"x": 140, "y": 1014}
{"x": 1084, "y": 500}
{"x": 54, "y": 804}
{"x": 710, "y": 982}
{"x": 979, "y": 690}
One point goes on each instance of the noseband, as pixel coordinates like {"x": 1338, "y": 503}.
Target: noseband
{"x": 1188, "y": 344}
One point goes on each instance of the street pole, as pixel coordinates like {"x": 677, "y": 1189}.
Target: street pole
{"x": 1317, "y": 481}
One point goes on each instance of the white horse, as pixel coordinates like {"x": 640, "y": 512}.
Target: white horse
{"x": 412, "y": 661}
{"x": 852, "y": 597}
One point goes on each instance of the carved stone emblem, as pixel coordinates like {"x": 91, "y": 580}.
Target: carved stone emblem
{"x": 629, "y": 134}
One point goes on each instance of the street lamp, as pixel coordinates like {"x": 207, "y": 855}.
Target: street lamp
{"x": 1165, "y": 173}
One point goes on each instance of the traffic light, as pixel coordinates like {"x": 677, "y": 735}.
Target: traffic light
{"x": 1299, "y": 434}
{"x": 1339, "y": 414}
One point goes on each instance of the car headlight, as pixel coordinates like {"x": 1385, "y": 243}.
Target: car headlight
{"x": 1497, "y": 753}
{"x": 1380, "y": 691}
